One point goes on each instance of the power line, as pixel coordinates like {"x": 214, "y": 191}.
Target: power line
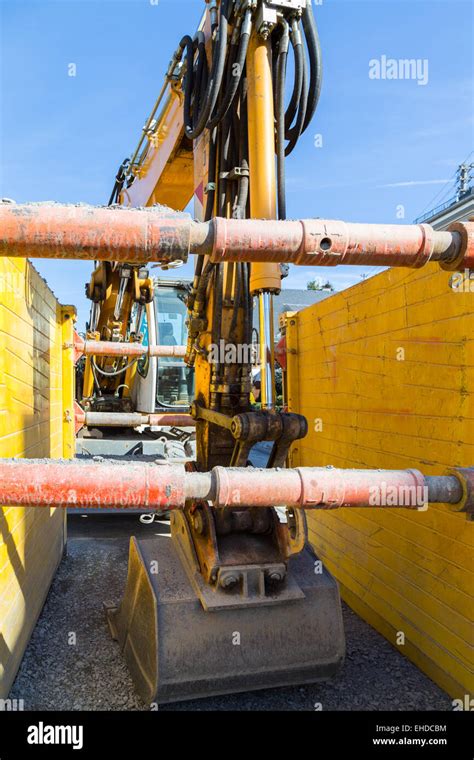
{"x": 431, "y": 204}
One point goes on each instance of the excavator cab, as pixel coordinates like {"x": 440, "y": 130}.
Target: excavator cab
{"x": 175, "y": 381}
{"x": 146, "y": 387}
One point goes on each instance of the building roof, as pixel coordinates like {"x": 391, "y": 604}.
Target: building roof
{"x": 291, "y": 299}
{"x": 459, "y": 209}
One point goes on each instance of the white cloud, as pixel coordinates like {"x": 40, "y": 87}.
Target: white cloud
{"x": 416, "y": 183}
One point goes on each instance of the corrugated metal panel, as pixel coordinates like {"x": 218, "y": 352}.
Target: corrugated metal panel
{"x": 32, "y": 367}
{"x": 384, "y": 372}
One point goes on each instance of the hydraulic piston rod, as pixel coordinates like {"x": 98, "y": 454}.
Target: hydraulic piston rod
{"x": 265, "y": 278}
{"x": 267, "y": 342}
{"x": 141, "y": 485}
{"x": 142, "y": 235}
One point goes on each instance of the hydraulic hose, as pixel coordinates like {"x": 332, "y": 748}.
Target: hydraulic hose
{"x": 201, "y": 76}
{"x": 188, "y": 44}
{"x": 240, "y": 210}
{"x": 293, "y": 134}
{"x": 236, "y": 68}
{"x": 298, "y": 52}
{"x": 212, "y": 169}
{"x": 215, "y": 79}
{"x": 119, "y": 181}
{"x": 280, "y": 116}
{"x": 316, "y": 65}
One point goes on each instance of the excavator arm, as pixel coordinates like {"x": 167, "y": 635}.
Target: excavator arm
{"x": 219, "y": 132}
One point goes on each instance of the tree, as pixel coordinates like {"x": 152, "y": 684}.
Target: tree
{"x": 320, "y": 285}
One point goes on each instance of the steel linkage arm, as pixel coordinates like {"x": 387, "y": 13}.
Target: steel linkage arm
{"x": 66, "y": 483}
{"x": 145, "y": 235}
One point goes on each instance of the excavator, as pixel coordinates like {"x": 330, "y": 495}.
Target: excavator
{"x": 211, "y": 137}
{"x": 237, "y": 599}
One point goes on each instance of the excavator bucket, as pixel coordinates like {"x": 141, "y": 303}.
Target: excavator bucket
{"x": 176, "y": 649}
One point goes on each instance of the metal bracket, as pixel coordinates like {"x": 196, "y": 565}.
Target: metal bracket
{"x": 268, "y": 11}
{"x": 236, "y": 173}
{"x": 237, "y": 586}
{"x": 292, "y": 5}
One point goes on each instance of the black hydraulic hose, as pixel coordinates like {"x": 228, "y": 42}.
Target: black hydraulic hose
{"x": 115, "y": 192}
{"x": 316, "y": 65}
{"x": 119, "y": 181}
{"x": 280, "y": 117}
{"x": 211, "y": 176}
{"x": 243, "y": 190}
{"x": 219, "y": 138}
{"x": 248, "y": 311}
{"x": 242, "y": 197}
{"x": 231, "y": 61}
{"x": 204, "y": 279}
{"x": 217, "y": 315}
{"x": 215, "y": 78}
{"x": 295, "y": 132}
{"x": 199, "y": 277}
{"x": 275, "y": 41}
{"x": 201, "y": 75}
{"x": 193, "y": 80}
{"x": 299, "y": 54}
{"x": 201, "y": 285}
{"x": 236, "y": 68}
{"x": 237, "y": 301}
{"x": 188, "y": 44}
{"x": 234, "y": 155}
{"x": 224, "y": 148}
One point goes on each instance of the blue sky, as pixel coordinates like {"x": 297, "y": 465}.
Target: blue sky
{"x": 385, "y": 143}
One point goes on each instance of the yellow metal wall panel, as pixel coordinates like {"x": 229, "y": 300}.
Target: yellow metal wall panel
{"x": 34, "y": 367}
{"x": 384, "y": 373}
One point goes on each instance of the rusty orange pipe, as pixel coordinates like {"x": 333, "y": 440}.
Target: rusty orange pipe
{"x": 112, "y": 348}
{"x": 141, "y": 235}
{"x": 85, "y": 232}
{"x": 90, "y": 485}
{"x": 321, "y": 242}
{"x": 317, "y": 487}
{"x": 133, "y": 419}
{"x": 150, "y": 486}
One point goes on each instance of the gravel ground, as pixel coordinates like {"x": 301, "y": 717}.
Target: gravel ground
{"x": 91, "y": 675}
